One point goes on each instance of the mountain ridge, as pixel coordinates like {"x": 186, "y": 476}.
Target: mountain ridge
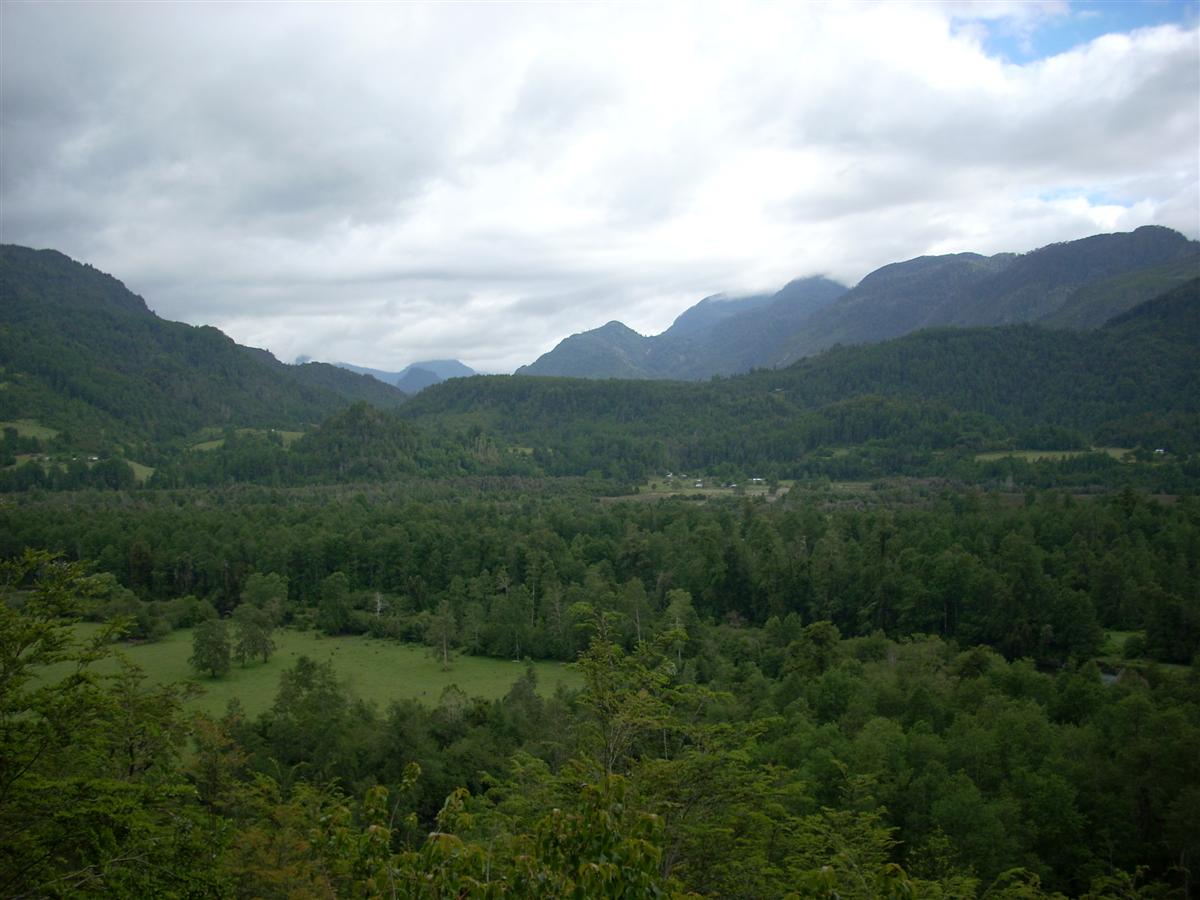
{"x": 417, "y": 376}
{"x": 968, "y": 290}
{"x": 83, "y": 354}
{"x": 1134, "y": 382}
{"x": 1070, "y": 284}
{"x": 720, "y": 335}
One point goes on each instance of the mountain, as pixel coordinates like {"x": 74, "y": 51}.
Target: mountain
{"x": 1078, "y": 284}
{"x": 1095, "y": 304}
{"x": 83, "y": 354}
{"x": 417, "y": 376}
{"x": 710, "y": 312}
{"x": 718, "y": 336}
{"x": 611, "y": 351}
{"x": 751, "y": 337}
{"x": 414, "y": 380}
{"x": 1135, "y": 381}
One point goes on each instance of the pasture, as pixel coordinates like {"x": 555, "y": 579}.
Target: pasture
{"x": 376, "y": 670}
{"x": 1035, "y": 455}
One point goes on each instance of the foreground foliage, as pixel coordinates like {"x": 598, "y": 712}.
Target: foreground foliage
{"x": 846, "y": 768}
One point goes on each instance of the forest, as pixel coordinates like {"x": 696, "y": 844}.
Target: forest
{"x": 921, "y": 619}
{"x": 898, "y": 692}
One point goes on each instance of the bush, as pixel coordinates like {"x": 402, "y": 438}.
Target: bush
{"x": 1134, "y": 647}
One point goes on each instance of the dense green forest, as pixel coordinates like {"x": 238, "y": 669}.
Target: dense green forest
{"x": 1034, "y": 575}
{"x": 82, "y": 354}
{"x": 831, "y": 693}
{"x": 948, "y": 646}
{"x": 1134, "y": 382}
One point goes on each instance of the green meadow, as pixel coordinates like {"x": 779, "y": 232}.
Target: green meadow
{"x": 209, "y": 438}
{"x": 30, "y": 428}
{"x": 658, "y": 486}
{"x": 1035, "y": 455}
{"x": 377, "y": 670}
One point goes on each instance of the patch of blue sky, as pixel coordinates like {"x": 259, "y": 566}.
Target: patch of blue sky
{"x": 1023, "y": 39}
{"x": 1092, "y": 196}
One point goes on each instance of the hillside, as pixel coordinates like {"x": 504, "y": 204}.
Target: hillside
{"x": 718, "y": 336}
{"x": 1096, "y": 303}
{"x": 84, "y": 355}
{"x": 610, "y": 351}
{"x": 1135, "y": 381}
{"x": 1078, "y": 284}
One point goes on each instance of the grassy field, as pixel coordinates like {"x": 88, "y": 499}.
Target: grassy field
{"x": 1114, "y": 642}
{"x": 1112, "y": 655}
{"x": 377, "y": 670}
{"x": 657, "y": 488}
{"x": 140, "y": 472}
{"x": 1034, "y": 455}
{"x": 207, "y": 442}
{"x": 30, "y": 428}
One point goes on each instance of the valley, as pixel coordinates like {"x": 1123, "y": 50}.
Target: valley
{"x": 917, "y": 615}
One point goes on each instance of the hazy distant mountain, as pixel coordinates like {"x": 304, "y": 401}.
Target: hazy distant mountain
{"x": 1094, "y": 304}
{"x": 416, "y": 376}
{"x": 83, "y": 354}
{"x": 1077, "y": 284}
{"x": 752, "y": 337}
{"x": 718, "y": 336}
{"x": 709, "y": 312}
{"x": 415, "y": 379}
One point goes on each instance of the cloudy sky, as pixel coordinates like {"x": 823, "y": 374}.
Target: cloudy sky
{"x": 386, "y": 183}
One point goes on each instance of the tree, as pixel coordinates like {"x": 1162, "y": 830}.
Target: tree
{"x": 623, "y": 697}
{"x": 636, "y": 606}
{"x": 680, "y": 620}
{"x": 210, "y": 648}
{"x": 333, "y": 612}
{"x": 268, "y": 592}
{"x": 442, "y": 633}
{"x": 92, "y": 801}
{"x": 510, "y": 612}
{"x": 253, "y": 630}
{"x": 474, "y": 623}
{"x": 316, "y": 720}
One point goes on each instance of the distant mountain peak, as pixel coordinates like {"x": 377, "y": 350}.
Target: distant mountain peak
{"x": 615, "y": 327}
{"x": 720, "y": 334}
{"x": 416, "y": 376}
{"x": 1075, "y": 284}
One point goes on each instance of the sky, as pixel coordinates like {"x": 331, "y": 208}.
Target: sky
{"x": 386, "y": 183}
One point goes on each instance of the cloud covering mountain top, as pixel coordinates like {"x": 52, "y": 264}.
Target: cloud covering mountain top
{"x": 384, "y": 183}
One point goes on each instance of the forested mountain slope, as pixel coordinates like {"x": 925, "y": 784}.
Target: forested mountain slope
{"x": 83, "y": 354}
{"x": 718, "y": 336}
{"x": 1077, "y": 284}
{"x": 613, "y": 350}
{"x": 1134, "y": 381}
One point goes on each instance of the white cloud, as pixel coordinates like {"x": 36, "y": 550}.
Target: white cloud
{"x": 383, "y": 183}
